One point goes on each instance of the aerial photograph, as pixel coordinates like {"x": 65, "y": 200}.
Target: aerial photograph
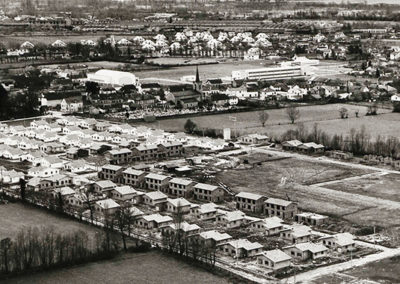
{"x": 200, "y": 141}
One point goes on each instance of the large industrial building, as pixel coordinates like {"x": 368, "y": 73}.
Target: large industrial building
{"x": 112, "y": 78}
{"x": 266, "y": 74}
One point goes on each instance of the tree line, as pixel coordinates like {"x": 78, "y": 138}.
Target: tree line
{"x": 41, "y": 248}
{"x": 358, "y": 142}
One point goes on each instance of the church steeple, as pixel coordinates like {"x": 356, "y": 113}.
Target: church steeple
{"x": 198, "y": 85}
{"x": 197, "y": 74}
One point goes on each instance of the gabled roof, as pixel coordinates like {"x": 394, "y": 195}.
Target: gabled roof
{"x": 245, "y": 244}
{"x": 111, "y": 167}
{"x": 107, "y": 204}
{"x": 134, "y": 172}
{"x": 105, "y": 183}
{"x": 181, "y": 181}
{"x": 124, "y": 190}
{"x": 181, "y": 202}
{"x": 158, "y": 218}
{"x": 314, "y": 248}
{"x": 156, "y": 176}
{"x": 215, "y": 235}
{"x": 156, "y": 195}
{"x": 205, "y": 186}
{"x": 278, "y": 201}
{"x": 276, "y": 255}
{"x": 249, "y": 195}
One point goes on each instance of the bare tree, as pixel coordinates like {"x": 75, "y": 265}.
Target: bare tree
{"x": 293, "y": 113}
{"x": 123, "y": 220}
{"x": 263, "y": 117}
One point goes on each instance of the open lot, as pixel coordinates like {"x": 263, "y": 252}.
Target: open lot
{"x": 382, "y": 186}
{"x": 150, "y": 267}
{"x": 386, "y": 271}
{"x": 16, "y": 216}
{"x": 267, "y": 179}
{"x": 326, "y": 116}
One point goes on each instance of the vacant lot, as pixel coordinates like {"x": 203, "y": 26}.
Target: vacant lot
{"x": 150, "y": 267}
{"x": 326, "y": 116}
{"x": 16, "y": 216}
{"x": 382, "y": 186}
{"x": 267, "y": 180}
{"x": 386, "y": 271}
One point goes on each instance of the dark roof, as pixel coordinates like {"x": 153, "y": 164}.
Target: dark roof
{"x": 214, "y": 81}
{"x": 151, "y": 86}
{"x": 179, "y": 88}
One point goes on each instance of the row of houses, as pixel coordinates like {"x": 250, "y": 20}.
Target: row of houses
{"x": 179, "y": 187}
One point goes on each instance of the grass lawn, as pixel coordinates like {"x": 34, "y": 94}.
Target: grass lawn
{"x": 386, "y": 186}
{"x": 16, "y": 216}
{"x": 326, "y": 116}
{"x": 150, "y": 267}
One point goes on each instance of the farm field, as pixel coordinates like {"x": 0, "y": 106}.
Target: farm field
{"x": 326, "y": 116}
{"x": 152, "y": 267}
{"x": 266, "y": 179}
{"x": 16, "y": 216}
{"x": 382, "y": 186}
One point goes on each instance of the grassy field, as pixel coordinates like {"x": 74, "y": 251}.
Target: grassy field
{"x": 386, "y": 271}
{"x": 266, "y": 179}
{"x": 143, "y": 268}
{"x": 16, "y": 216}
{"x": 326, "y": 116}
{"x": 386, "y": 186}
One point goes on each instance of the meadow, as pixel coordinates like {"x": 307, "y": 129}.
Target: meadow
{"x": 17, "y": 216}
{"x": 152, "y": 267}
{"x": 266, "y": 179}
{"x": 326, "y": 116}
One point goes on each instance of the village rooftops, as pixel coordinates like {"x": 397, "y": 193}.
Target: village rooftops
{"x": 185, "y": 226}
{"x": 271, "y": 223}
{"x": 342, "y": 239}
{"x": 215, "y": 235}
{"x": 313, "y": 145}
{"x": 105, "y": 183}
{"x": 179, "y": 202}
{"x": 65, "y": 191}
{"x": 181, "y": 181}
{"x": 245, "y": 244}
{"x": 156, "y": 176}
{"x": 249, "y": 195}
{"x": 120, "y": 151}
{"x": 125, "y": 190}
{"x": 208, "y": 208}
{"x": 278, "y": 201}
{"x": 111, "y": 167}
{"x": 294, "y": 143}
{"x": 134, "y": 172}
{"x": 205, "y": 186}
{"x": 233, "y": 216}
{"x": 276, "y": 255}
{"x": 107, "y": 204}
{"x": 314, "y": 248}
{"x": 144, "y": 147}
{"x": 158, "y": 218}
{"x": 299, "y": 231}
{"x": 311, "y": 215}
{"x": 156, "y": 195}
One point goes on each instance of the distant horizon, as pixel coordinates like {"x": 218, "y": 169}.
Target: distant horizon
{"x": 370, "y": 2}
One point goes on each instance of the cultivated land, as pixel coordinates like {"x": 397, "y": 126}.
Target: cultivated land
{"x": 150, "y": 267}
{"x": 326, "y": 116}
{"x": 16, "y": 216}
{"x": 383, "y": 186}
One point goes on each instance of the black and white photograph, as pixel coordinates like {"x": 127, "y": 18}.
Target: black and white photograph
{"x": 200, "y": 141}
